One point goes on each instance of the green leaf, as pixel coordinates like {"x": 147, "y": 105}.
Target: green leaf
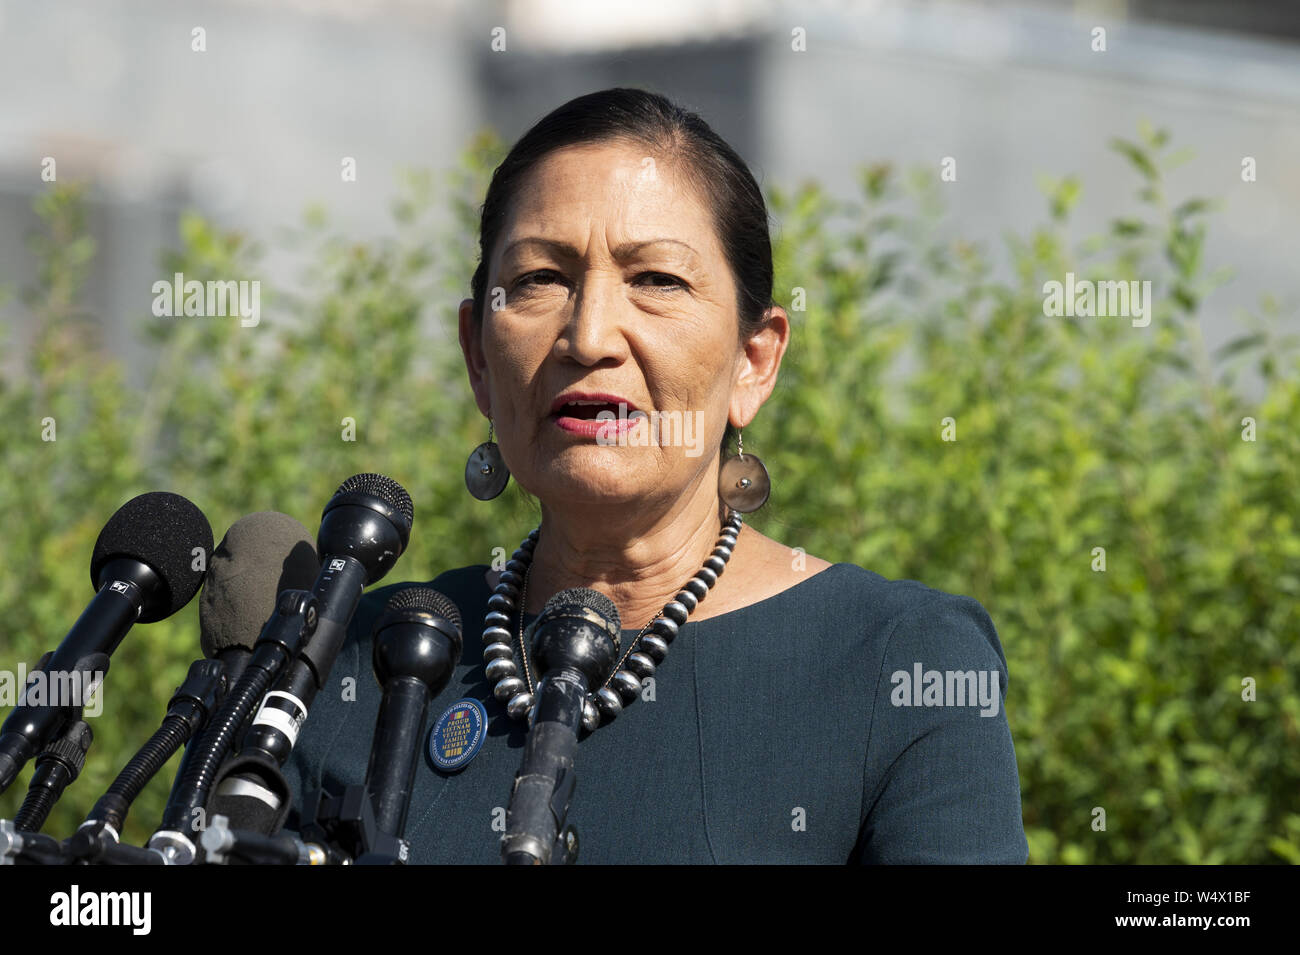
{"x": 1241, "y": 344}
{"x": 1137, "y": 157}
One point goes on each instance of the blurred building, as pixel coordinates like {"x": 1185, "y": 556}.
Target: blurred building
{"x": 256, "y": 126}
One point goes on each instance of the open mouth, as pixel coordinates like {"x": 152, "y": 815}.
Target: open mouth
{"x": 594, "y": 414}
{"x": 589, "y": 410}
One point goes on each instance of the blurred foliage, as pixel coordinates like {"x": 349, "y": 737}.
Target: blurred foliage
{"x": 1072, "y": 434}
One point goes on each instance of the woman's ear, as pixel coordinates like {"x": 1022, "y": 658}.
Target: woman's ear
{"x": 471, "y": 346}
{"x": 757, "y": 366}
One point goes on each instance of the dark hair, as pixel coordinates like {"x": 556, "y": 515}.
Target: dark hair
{"x": 713, "y": 167}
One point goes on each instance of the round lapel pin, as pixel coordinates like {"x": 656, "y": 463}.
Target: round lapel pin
{"x": 457, "y": 735}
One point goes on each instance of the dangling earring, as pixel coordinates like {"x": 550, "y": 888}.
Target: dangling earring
{"x": 486, "y": 474}
{"x": 743, "y": 483}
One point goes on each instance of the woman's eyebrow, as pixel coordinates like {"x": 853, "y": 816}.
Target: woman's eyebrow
{"x": 621, "y": 252}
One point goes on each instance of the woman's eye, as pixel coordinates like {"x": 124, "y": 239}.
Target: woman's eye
{"x": 662, "y": 280}
{"x": 540, "y": 277}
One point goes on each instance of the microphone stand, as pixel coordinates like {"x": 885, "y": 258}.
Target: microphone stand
{"x": 225, "y": 846}
{"x": 57, "y": 766}
{"x": 23, "y": 847}
{"x": 347, "y": 823}
{"x": 19, "y": 847}
{"x": 187, "y": 713}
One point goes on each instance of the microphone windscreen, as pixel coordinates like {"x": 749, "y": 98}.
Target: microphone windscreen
{"x": 162, "y": 530}
{"x": 404, "y": 643}
{"x": 584, "y": 597}
{"x": 384, "y": 488}
{"x": 261, "y": 555}
{"x": 421, "y": 600}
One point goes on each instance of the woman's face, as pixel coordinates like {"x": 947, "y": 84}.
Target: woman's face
{"x": 608, "y": 285}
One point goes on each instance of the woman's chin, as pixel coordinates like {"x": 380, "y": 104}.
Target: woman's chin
{"x": 590, "y": 477}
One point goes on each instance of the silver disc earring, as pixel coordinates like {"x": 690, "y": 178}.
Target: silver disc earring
{"x": 486, "y": 474}
{"x": 743, "y": 483}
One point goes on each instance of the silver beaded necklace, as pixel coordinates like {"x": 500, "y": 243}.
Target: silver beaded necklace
{"x": 639, "y": 661}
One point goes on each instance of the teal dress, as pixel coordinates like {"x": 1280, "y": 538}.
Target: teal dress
{"x": 839, "y": 721}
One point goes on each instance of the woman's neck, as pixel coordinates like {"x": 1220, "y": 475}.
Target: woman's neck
{"x": 639, "y": 561}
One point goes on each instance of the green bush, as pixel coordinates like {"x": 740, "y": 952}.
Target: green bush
{"x": 1072, "y": 434}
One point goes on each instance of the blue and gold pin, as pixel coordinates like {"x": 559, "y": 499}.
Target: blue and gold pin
{"x": 457, "y": 735}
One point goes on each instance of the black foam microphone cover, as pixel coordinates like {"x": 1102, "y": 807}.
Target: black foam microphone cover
{"x": 149, "y": 561}
{"x": 166, "y": 532}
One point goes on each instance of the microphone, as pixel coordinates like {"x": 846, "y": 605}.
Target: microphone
{"x": 575, "y": 642}
{"x": 260, "y": 555}
{"x": 288, "y": 629}
{"x": 417, "y": 644}
{"x": 364, "y": 530}
{"x": 143, "y": 571}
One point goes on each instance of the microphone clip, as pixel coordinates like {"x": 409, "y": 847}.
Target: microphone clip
{"x": 347, "y": 824}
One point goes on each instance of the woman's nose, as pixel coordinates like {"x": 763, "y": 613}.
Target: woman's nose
{"x": 593, "y": 332}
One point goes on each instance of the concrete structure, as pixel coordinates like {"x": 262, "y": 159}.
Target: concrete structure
{"x": 256, "y": 126}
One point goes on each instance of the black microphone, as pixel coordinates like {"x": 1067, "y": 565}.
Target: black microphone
{"x": 143, "y": 569}
{"x": 417, "y": 644}
{"x": 575, "y": 642}
{"x": 364, "y": 530}
{"x": 260, "y": 555}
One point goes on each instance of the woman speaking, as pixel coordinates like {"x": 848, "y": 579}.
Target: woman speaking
{"x": 764, "y": 705}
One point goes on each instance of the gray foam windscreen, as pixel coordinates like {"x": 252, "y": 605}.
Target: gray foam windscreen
{"x": 261, "y": 555}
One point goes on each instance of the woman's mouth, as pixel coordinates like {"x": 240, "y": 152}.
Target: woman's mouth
{"x": 595, "y": 415}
